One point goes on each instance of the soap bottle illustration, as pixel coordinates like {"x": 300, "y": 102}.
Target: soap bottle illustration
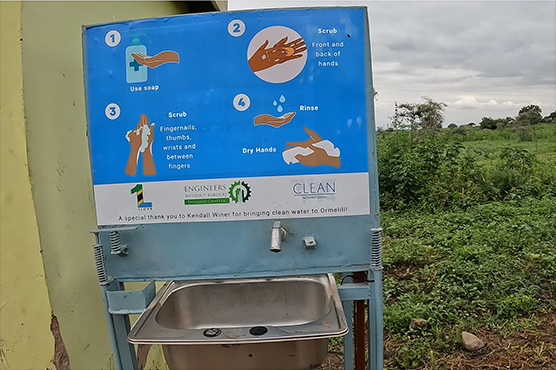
{"x": 135, "y": 72}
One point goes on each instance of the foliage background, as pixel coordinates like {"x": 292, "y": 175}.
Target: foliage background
{"x": 469, "y": 218}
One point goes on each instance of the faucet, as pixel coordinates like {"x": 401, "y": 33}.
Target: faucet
{"x": 277, "y": 234}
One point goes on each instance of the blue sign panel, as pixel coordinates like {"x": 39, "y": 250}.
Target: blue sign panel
{"x": 266, "y": 110}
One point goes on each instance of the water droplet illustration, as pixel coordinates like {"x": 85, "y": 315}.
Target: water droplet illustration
{"x": 280, "y": 109}
{"x": 282, "y": 99}
{"x": 275, "y": 103}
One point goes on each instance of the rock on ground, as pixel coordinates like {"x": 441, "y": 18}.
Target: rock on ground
{"x": 418, "y": 324}
{"x": 471, "y": 342}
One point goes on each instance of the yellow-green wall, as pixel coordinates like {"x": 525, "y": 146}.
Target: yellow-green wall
{"x": 47, "y": 264}
{"x": 26, "y": 341}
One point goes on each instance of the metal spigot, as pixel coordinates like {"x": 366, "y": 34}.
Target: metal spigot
{"x": 277, "y": 234}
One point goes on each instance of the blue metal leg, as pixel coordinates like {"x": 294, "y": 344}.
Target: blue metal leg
{"x": 118, "y": 325}
{"x": 127, "y": 350}
{"x": 111, "y": 330}
{"x": 376, "y": 350}
{"x": 348, "y": 339}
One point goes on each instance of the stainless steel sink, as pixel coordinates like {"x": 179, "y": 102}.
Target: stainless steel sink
{"x": 276, "y": 323}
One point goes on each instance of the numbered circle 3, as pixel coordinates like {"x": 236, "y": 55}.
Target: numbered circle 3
{"x": 112, "y": 111}
{"x": 241, "y": 102}
{"x": 236, "y": 28}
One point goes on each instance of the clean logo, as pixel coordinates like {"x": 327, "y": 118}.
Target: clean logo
{"x": 141, "y": 204}
{"x": 315, "y": 190}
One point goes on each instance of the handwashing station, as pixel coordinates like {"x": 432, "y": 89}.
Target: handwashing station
{"x": 233, "y": 157}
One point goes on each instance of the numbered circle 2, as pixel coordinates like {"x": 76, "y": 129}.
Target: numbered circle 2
{"x": 112, "y": 111}
{"x": 236, "y": 28}
{"x": 112, "y": 38}
{"x": 241, "y": 102}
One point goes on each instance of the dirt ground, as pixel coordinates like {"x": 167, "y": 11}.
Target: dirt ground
{"x": 522, "y": 350}
{"x": 334, "y": 361}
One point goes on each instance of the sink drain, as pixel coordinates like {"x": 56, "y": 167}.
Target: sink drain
{"x": 212, "y": 332}
{"x": 258, "y": 330}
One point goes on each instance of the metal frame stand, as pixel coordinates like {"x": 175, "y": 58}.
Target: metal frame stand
{"x": 178, "y": 251}
{"x": 120, "y": 303}
{"x": 371, "y": 292}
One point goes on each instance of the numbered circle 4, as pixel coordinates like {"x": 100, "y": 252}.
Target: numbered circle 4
{"x": 236, "y": 28}
{"x": 112, "y": 38}
{"x": 241, "y": 102}
{"x": 112, "y": 111}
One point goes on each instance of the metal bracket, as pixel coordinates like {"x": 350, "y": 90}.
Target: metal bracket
{"x": 125, "y": 302}
{"x": 110, "y": 229}
{"x": 354, "y": 292}
{"x": 116, "y": 246}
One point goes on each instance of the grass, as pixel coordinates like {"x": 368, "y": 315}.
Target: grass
{"x": 485, "y": 265}
{"x": 469, "y": 244}
{"x": 491, "y": 266}
{"x": 493, "y": 260}
{"x": 542, "y": 143}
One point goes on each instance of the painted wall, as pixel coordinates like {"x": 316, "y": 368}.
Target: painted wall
{"x": 221, "y": 5}
{"x": 26, "y": 341}
{"x": 46, "y": 200}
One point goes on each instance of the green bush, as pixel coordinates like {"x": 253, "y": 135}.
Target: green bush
{"x": 436, "y": 171}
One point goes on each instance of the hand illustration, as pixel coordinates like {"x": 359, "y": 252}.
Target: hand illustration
{"x": 158, "y": 59}
{"x": 313, "y": 138}
{"x": 149, "y": 168}
{"x": 313, "y": 151}
{"x": 267, "y": 119}
{"x": 281, "y": 52}
{"x": 140, "y": 141}
{"x": 135, "y": 141}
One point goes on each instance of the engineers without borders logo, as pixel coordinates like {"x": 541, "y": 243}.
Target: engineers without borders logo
{"x": 238, "y": 192}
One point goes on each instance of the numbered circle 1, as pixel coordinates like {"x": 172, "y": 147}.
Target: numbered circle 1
{"x": 236, "y": 28}
{"x": 241, "y": 102}
{"x": 112, "y": 111}
{"x": 112, "y": 38}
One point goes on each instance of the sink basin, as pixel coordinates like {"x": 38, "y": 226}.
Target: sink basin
{"x": 279, "y": 323}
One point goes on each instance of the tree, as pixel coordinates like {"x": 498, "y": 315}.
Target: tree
{"x": 535, "y": 109}
{"x": 551, "y": 118}
{"x": 488, "y": 123}
{"x": 495, "y": 123}
{"x": 529, "y": 115}
{"x": 502, "y": 123}
{"x": 452, "y": 125}
{"x": 427, "y": 115}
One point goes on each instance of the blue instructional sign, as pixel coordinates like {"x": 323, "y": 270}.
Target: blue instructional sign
{"x": 263, "y": 110}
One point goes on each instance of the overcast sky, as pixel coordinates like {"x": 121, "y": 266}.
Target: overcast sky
{"x": 482, "y": 58}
